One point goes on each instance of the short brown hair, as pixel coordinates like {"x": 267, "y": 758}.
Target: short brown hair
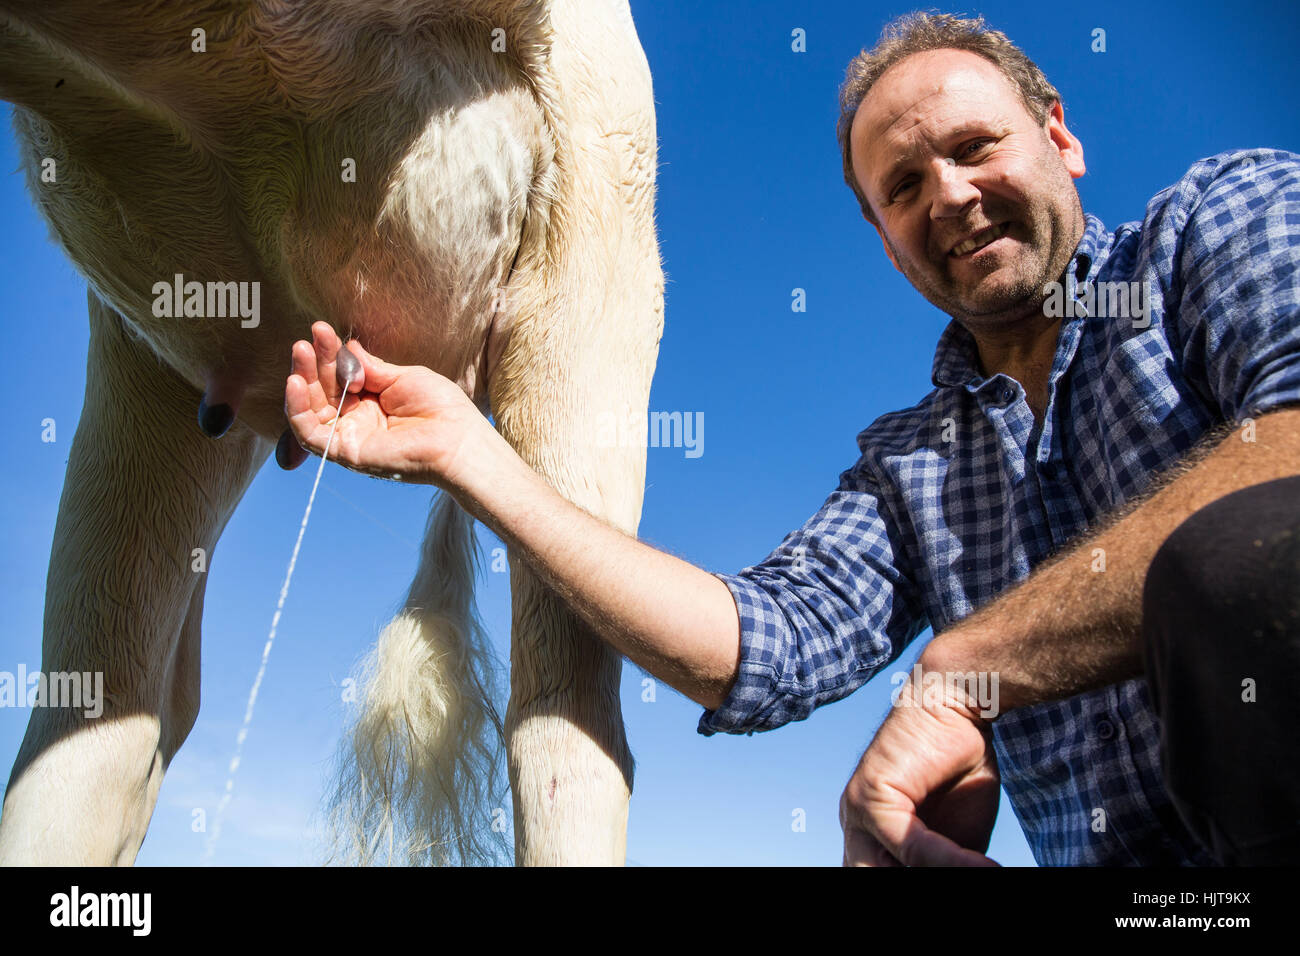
{"x": 917, "y": 33}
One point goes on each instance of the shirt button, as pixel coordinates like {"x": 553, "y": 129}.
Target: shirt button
{"x": 1105, "y": 729}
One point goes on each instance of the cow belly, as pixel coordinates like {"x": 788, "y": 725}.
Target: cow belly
{"x": 426, "y": 283}
{"x": 393, "y": 214}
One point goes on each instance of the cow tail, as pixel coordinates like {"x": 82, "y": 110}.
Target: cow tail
{"x": 419, "y": 777}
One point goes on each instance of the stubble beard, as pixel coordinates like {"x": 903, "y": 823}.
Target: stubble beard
{"x": 1048, "y": 249}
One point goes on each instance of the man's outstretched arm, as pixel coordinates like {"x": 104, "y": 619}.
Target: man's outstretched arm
{"x": 675, "y": 620}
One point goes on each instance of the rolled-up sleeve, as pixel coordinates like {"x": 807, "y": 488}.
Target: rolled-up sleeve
{"x": 1239, "y": 268}
{"x": 818, "y": 616}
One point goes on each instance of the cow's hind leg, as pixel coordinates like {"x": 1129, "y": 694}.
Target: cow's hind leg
{"x": 124, "y": 598}
{"x": 570, "y": 395}
{"x": 569, "y": 761}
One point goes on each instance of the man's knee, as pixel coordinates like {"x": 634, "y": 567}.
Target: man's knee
{"x": 1233, "y": 565}
{"x": 1221, "y": 628}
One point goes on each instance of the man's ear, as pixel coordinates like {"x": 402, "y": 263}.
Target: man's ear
{"x": 889, "y": 252}
{"x": 1066, "y": 143}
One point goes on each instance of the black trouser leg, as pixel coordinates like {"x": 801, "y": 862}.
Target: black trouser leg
{"x": 1221, "y": 623}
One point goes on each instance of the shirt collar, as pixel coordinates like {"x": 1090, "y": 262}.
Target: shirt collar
{"x": 956, "y": 359}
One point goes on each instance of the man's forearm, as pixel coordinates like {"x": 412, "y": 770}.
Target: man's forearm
{"x": 671, "y": 618}
{"x": 1072, "y": 627}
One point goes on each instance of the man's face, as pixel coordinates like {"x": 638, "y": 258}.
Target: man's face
{"x": 945, "y": 150}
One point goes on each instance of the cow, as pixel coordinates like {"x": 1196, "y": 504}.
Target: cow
{"x": 462, "y": 184}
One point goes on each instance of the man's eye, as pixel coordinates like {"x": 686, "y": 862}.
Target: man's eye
{"x": 964, "y": 153}
{"x": 901, "y": 188}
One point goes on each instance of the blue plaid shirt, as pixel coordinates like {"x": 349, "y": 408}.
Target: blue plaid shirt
{"x": 959, "y": 497}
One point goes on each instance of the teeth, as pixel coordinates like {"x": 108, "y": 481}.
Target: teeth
{"x": 970, "y": 245}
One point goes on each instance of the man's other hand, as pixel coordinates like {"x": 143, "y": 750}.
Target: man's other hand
{"x": 926, "y": 791}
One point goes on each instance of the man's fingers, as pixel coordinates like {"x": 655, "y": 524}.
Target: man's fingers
{"x": 327, "y": 344}
{"x": 920, "y": 847}
{"x": 883, "y": 829}
{"x": 304, "y": 361}
{"x": 303, "y": 418}
{"x": 862, "y": 849}
{"x": 317, "y": 362}
{"x": 925, "y": 847}
{"x": 379, "y": 374}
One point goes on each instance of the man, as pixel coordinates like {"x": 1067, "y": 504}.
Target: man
{"x": 1050, "y": 418}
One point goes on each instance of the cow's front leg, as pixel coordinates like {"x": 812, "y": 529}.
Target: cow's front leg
{"x": 144, "y": 491}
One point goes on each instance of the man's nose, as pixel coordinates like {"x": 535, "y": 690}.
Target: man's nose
{"x": 953, "y": 190}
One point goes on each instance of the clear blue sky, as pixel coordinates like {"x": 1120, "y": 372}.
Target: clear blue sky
{"x": 751, "y": 206}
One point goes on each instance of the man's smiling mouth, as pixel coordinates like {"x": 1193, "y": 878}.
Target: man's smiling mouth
{"x": 979, "y": 240}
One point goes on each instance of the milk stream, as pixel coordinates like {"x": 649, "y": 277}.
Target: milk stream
{"x": 266, "y": 651}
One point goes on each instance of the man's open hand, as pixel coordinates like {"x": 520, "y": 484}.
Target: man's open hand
{"x": 398, "y": 421}
{"x": 926, "y": 791}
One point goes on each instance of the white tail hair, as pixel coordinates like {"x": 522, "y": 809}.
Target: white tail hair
{"x": 419, "y": 777}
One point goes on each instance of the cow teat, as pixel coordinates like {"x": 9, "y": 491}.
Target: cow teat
{"x": 347, "y": 367}
{"x": 288, "y": 453}
{"x": 218, "y": 408}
